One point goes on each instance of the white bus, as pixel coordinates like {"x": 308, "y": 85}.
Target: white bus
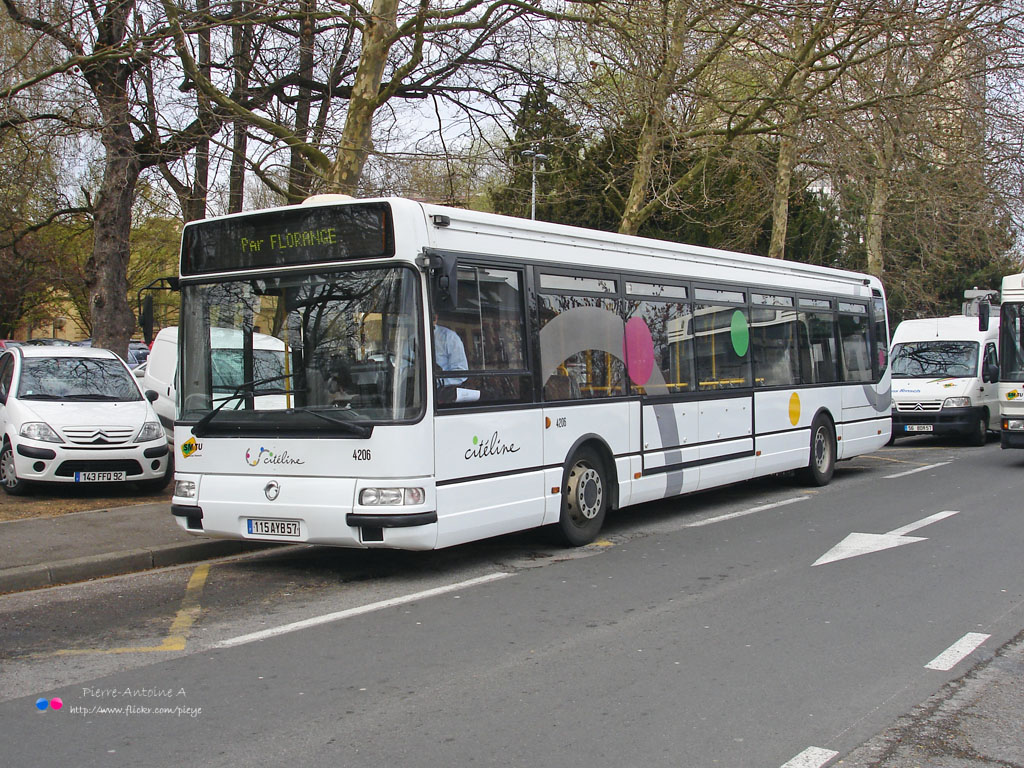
{"x": 596, "y": 371}
{"x": 1011, "y": 362}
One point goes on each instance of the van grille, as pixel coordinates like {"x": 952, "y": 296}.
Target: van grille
{"x": 923, "y": 406}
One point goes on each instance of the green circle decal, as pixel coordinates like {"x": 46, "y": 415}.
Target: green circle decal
{"x": 740, "y": 333}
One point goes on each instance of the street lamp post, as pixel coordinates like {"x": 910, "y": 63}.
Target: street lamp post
{"x": 534, "y": 157}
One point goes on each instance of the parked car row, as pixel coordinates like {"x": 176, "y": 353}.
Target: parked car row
{"x": 73, "y": 414}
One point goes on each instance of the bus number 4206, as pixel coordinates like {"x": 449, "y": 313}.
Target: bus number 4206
{"x": 361, "y": 454}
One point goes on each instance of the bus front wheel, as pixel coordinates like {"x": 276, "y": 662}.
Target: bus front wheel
{"x": 822, "y": 462}
{"x": 584, "y": 498}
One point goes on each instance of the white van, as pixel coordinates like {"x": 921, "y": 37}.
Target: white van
{"x": 944, "y": 375}
{"x": 162, "y": 370}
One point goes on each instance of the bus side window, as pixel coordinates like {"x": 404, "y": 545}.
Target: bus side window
{"x": 489, "y": 323}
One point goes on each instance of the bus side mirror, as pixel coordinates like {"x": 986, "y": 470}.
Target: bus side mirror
{"x": 146, "y": 319}
{"x": 445, "y": 281}
{"x": 991, "y": 373}
{"x": 983, "y": 313}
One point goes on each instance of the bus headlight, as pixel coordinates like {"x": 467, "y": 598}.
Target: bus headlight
{"x": 1013, "y": 425}
{"x": 391, "y": 497}
{"x": 956, "y": 402}
{"x": 185, "y": 489}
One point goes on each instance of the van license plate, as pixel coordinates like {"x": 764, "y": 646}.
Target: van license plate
{"x": 257, "y": 527}
{"x": 919, "y": 427}
{"x": 100, "y": 477}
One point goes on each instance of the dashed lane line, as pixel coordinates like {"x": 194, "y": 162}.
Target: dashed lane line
{"x": 812, "y": 757}
{"x": 957, "y": 652}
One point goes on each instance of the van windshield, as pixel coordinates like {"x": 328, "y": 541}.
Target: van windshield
{"x": 935, "y": 359}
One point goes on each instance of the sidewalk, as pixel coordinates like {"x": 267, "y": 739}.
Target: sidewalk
{"x": 42, "y": 552}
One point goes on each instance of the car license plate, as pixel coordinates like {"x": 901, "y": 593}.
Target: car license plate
{"x": 100, "y": 477}
{"x": 258, "y": 527}
{"x": 919, "y": 427}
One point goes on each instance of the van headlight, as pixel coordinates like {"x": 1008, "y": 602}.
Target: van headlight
{"x": 150, "y": 431}
{"x": 39, "y": 430}
{"x": 391, "y": 497}
{"x": 956, "y": 402}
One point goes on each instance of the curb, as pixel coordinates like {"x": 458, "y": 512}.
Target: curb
{"x": 28, "y": 577}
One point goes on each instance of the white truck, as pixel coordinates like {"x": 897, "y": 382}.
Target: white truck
{"x": 944, "y": 377}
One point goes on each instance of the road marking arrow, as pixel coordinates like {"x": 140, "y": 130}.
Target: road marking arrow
{"x": 865, "y": 543}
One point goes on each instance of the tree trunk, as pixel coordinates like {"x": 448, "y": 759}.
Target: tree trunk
{"x": 876, "y": 224}
{"x": 106, "y": 270}
{"x": 299, "y": 180}
{"x": 201, "y": 177}
{"x": 353, "y": 148}
{"x": 780, "y": 201}
{"x": 241, "y": 49}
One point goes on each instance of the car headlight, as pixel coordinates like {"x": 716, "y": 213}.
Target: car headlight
{"x": 956, "y": 402}
{"x": 39, "y": 430}
{"x": 390, "y": 497}
{"x": 150, "y": 431}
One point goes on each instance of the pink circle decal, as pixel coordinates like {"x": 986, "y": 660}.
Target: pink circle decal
{"x": 56, "y": 703}
{"x": 639, "y": 350}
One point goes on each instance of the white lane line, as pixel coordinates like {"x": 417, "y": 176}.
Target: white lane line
{"x": 812, "y": 757}
{"x": 919, "y": 469}
{"x": 745, "y": 512}
{"x": 957, "y": 652}
{"x": 357, "y": 611}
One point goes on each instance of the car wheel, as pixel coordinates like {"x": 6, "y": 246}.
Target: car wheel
{"x": 9, "y": 474}
{"x": 584, "y": 498}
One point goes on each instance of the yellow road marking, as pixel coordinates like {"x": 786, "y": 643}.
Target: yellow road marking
{"x": 602, "y": 543}
{"x": 177, "y": 636}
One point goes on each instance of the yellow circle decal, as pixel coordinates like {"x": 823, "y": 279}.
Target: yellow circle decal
{"x": 794, "y": 409}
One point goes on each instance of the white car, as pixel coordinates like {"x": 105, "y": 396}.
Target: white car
{"x": 76, "y": 415}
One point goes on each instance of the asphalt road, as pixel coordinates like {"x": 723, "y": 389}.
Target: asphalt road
{"x": 698, "y": 632}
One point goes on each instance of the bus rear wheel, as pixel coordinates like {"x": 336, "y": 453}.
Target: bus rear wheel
{"x": 822, "y": 463}
{"x": 584, "y": 498}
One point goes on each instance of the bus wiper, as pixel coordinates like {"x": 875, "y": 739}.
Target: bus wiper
{"x": 199, "y": 428}
{"x": 357, "y": 429}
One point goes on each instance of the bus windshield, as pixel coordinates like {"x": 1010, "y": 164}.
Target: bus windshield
{"x": 283, "y": 352}
{"x": 933, "y": 359}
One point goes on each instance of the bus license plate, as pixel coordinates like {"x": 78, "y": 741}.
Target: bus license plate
{"x": 259, "y": 527}
{"x": 919, "y": 427}
{"x": 100, "y": 477}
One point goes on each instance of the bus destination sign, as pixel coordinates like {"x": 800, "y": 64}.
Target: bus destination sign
{"x": 294, "y": 236}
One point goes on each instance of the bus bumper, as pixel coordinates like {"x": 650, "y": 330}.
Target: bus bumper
{"x": 302, "y": 510}
{"x": 1012, "y": 433}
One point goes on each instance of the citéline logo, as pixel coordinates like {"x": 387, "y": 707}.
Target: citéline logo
{"x": 44, "y": 704}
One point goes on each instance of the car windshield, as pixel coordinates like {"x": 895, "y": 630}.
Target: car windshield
{"x": 934, "y": 359}
{"x": 270, "y": 351}
{"x": 76, "y": 378}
